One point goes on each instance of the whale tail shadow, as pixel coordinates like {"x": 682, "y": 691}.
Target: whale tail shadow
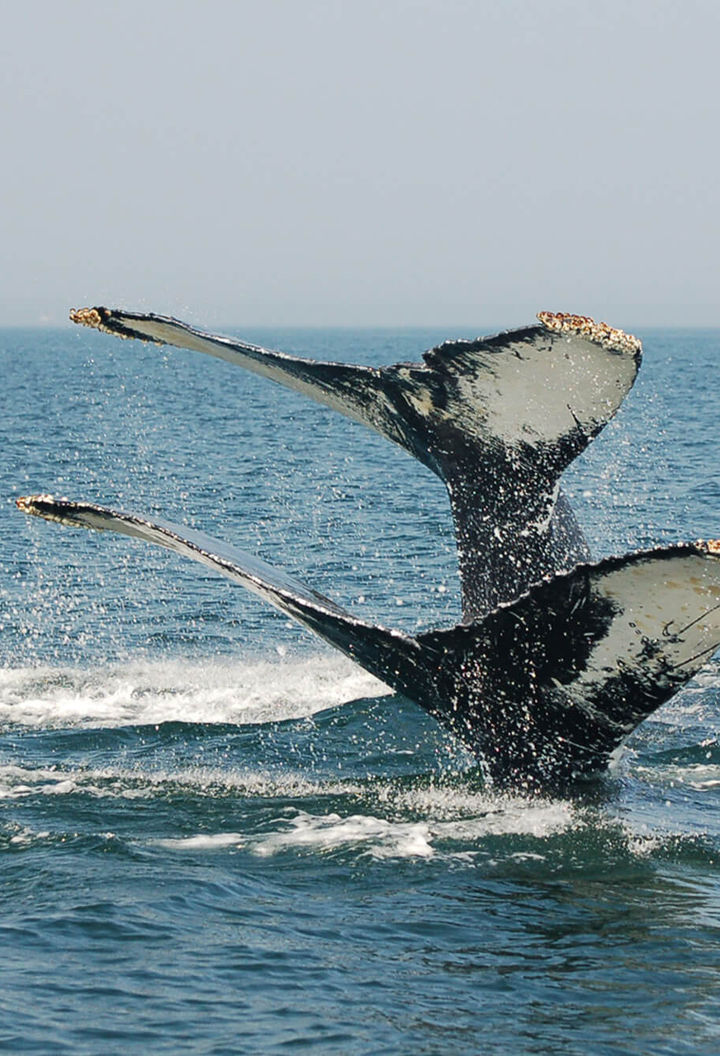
{"x": 542, "y": 689}
{"x": 497, "y": 418}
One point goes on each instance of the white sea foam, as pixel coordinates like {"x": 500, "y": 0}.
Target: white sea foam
{"x": 25, "y": 837}
{"x": 380, "y": 837}
{"x": 380, "y": 819}
{"x": 702, "y": 777}
{"x": 203, "y": 842}
{"x": 454, "y": 826}
{"x": 377, "y": 819}
{"x": 142, "y": 693}
{"x": 17, "y": 782}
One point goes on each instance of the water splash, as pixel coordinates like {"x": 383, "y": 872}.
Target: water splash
{"x": 150, "y": 692}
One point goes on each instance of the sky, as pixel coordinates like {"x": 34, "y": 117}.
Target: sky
{"x": 366, "y": 162}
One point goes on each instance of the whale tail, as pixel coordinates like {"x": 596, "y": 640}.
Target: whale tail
{"x": 498, "y": 419}
{"x": 542, "y": 689}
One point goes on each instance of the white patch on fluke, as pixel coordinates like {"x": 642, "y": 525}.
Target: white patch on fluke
{"x": 678, "y": 609}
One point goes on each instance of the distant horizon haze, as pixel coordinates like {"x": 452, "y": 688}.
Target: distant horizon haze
{"x": 396, "y": 163}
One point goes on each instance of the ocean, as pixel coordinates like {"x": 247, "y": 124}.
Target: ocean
{"x": 218, "y": 836}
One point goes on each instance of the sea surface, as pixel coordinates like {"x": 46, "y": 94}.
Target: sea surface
{"x": 219, "y": 836}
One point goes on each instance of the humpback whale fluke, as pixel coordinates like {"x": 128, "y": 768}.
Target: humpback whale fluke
{"x": 497, "y": 418}
{"x": 544, "y": 688}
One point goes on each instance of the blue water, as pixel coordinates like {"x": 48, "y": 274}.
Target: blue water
{"x": 218, "y": 836}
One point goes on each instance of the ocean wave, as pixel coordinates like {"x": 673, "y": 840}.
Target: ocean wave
{"x": 395, "y": 823}
{"x": 290, "y": 816}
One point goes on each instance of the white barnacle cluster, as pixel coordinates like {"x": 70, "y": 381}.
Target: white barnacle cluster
{"x": 91, "y": 317}
{"x": 86, "y": 317}
{"x": 584, "y": 326}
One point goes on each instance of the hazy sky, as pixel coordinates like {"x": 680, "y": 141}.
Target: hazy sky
{"x": 362, "y": 162}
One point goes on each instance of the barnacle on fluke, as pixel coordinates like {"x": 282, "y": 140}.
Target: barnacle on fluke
{"x": 584, "y": 326}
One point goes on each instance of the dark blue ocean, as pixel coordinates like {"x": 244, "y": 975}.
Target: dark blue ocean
{"x": 217, "y": 836}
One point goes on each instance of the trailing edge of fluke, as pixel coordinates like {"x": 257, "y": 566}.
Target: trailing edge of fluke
{"x": 558, "y": 659}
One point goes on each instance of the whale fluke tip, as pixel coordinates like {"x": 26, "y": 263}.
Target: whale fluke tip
{"x": 26, "y": 503}
{"x": 48, "y": 507}
{"x": 584, "y": 326}
{"x": 35, "y": 504}
{"x": 115, "y": 322}
{"x": 87, "y": 317}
